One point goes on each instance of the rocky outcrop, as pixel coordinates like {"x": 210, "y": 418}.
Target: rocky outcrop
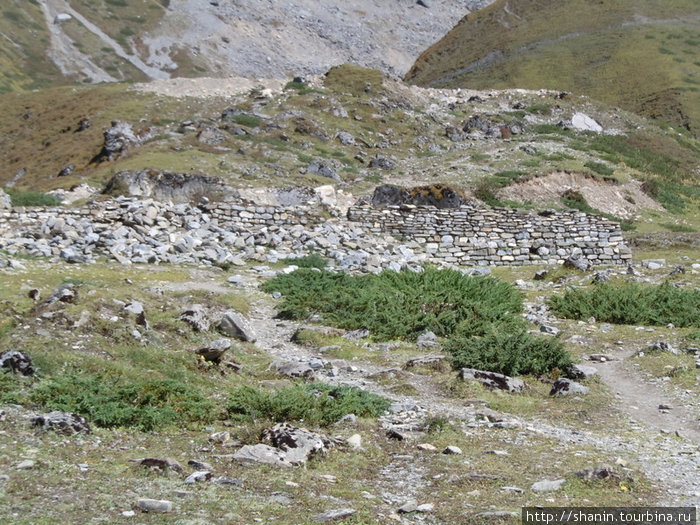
{"x": 166, "y": 186}
{"x": 62, "y": 423}
{"x": 17, "y": 362}
{"x": 436, "y": 195}
{"x": 118, "y": 139}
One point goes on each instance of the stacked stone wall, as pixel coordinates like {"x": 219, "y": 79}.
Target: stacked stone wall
{"x": 471, "y": 235}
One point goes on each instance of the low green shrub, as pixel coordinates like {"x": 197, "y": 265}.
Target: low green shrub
{"x": 250, "y": 121}
{"x": 631, "y": 303}
{"x": 507, "y": 348}
{"x": 313, "y": 260}
{"x": 111, "y": 402}
{"x": 478, "y": 315}
{"x": 599, "y": 168}
{"x": 313, "y": 404}
{"x": 395, "y": 305}
{"x": 31, "y": 198}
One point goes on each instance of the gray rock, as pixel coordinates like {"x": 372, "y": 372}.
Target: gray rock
{"x": 547, "y": 329}
{"x": 211, "y": 135}
{"x": 452, "y": 450}
{"x": 548, "y": 485}
{"x": 425, "y": 360}
{"x": 214, "y": 351}
{"x": 26, "y": 464}
{"x": 261, "y": 453}
{"x": 294, "y": 369}
{"x": 196, "y": 316}
{"x": 117, "y": 140}
{"x": 662, "y": 346}
{"x": 236, "y": 325}
{"x": 323, "y": 169}
{"x": 577, "y": 263}
{"x": 166, "y": 185}
{"x": 225, "y": 480}
{"x": 154, "y": 505}
{"x": 200, "y": 475}
{"x": 61, "y": 422}
{"x": 332, "y": 515}
{"x": 583, "y": 122}
{"x": 540, "y": 275}
{"x": 582, "y": 371}
{"x": 360, "y": 333}
{"x": 298, "y": 444}
{"x": 567, "y": 387}
{"x": 17, "y": 362}
{"x": 346, "y": 138}
{"x": 385, "y": 163}
{"x": 427, "y": 339}
{"x": 199, "y": 465}
{"x": 5, "y": 200}
{"x": 408, "y": 507}
{"x": 161, "y": 464}
{"x": 492, "y": 380}
{"x": 134, "y": 307}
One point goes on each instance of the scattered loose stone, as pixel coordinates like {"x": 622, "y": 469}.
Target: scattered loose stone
{"x": 451, "y": 449}
{"x": 597, "y": 473}
{"x": 27, "y": 464}
{"x": 426, "y": 446}
{"x": 294, "y": 369}
{"x": 159, "y": 464}
{"x": 355, "y": 441}
{"x": 224, "y": 480}
{"x": 154, "y": 505}
{"x": 332, "y": 515}
{"x": 261, "y": 453}
{"x": 199, "y": 465}
{"x": 196, "y": 316}
{"x": 200, "y": 475}
{"x": 220, "y": 437}
{"x": 298, "y": 444}
{"x": 547, "y": 485}
{"x": 408, "y": 507}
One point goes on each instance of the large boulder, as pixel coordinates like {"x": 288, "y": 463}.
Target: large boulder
{"x": 166, "y": 186}
{"x": 492, "y": 380}
{"x": 235, "y": 325}
{"x": 298, "y": 444}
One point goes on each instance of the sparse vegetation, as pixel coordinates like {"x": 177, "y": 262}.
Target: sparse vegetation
{"x": 31, "y": 198}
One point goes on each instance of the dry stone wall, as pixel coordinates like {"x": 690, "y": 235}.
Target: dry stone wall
{"x": 132, "y": 230}
{"x": 470, "y": 235}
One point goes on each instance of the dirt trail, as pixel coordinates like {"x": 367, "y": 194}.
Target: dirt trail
{"x": 641, "y": 400}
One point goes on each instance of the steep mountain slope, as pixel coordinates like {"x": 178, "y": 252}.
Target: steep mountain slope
{"x": 50, "y": 42}
{"x": 640, "y": 55}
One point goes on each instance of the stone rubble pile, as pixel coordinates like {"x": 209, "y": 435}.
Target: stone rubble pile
{"x": 146, "y": 231}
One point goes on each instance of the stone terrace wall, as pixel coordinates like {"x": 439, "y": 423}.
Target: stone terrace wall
{"x": 472, "y": 236}
{"x": 132, "y": 211}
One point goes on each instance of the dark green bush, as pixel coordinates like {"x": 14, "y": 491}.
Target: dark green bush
{"x": 313, "y": 404}
{"x": 507, "y": 348}
{"x": 631, "y": 303}
{"x": 309, "y": 261}
{"x": 395, "y": 305}
{"x": 107, "y": 402}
